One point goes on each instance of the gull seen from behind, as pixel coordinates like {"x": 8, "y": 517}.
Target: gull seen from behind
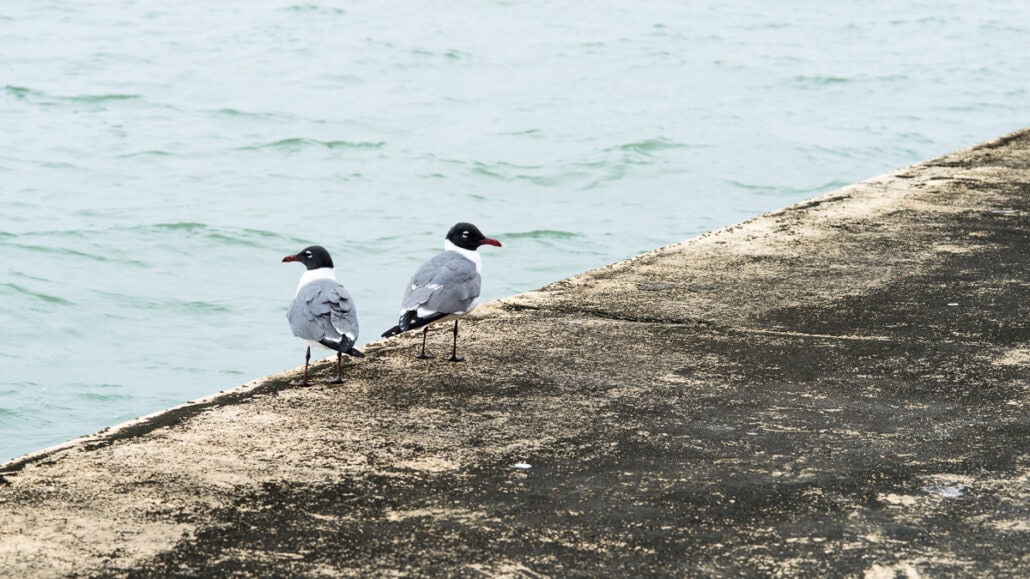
{"x": 322, "y": 311}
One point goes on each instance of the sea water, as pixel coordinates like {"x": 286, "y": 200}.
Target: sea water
{"x": 157, "y": 160}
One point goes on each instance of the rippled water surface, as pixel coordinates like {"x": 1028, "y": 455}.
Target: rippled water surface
{"x": 157, "y": 160}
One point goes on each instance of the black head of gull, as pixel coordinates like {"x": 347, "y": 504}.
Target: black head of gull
{"x": 468, "y": 236}
{"x": 446, "y": 287}
{"x": 322, "y": 311}
{"x": 313, "y": 257}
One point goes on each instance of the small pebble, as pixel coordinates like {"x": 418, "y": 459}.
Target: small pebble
{"x": 520, "y": 465}
{"x": 947, "y": 492}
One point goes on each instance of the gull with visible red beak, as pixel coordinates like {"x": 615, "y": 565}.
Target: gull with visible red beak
{"x": 446, "y": 287}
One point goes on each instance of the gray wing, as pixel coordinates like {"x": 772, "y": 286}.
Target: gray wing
{"x": 447, "y": 284}
{"x": 323, "y": 311}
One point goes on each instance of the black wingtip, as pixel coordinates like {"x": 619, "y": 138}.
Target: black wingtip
{"x": 343, "y": 347}
{"x": 411, "y": 321}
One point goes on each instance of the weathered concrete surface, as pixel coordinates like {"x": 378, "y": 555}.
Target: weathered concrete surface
{"x": 837, "y": 388}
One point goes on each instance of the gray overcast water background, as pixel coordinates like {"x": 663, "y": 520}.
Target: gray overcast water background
{"x": 157, "y": 160}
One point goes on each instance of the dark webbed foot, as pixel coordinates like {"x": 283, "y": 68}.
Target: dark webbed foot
{"x": 423, "y": 355}
{"x": 454, "y": 348}
{"x": 339, "y": 371}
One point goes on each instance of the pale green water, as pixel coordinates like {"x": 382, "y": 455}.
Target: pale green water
{"x": 158, "y": 160}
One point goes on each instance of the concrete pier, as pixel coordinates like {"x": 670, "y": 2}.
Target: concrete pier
{"x": 838, "y": 388}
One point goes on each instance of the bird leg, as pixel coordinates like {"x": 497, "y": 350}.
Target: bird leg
{"x": 339, "y": 370}
{"x": 307, "y": 359}
{"x": 423, "y": 355}
{"x": 454, "y": 348}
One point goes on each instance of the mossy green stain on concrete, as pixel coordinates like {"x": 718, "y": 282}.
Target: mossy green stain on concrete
{"x": 836, "y": 388}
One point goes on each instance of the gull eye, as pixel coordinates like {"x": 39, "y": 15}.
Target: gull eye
{"x": 307, "y": 254}
{"x": 465, "y": 234}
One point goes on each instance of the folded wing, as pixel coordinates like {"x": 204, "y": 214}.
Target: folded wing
{"x": 323, "y": 311}
{"x": 446, "y": 284}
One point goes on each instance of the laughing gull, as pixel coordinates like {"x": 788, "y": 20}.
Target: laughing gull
{"x": 445, "y": 287}
{"x": 322, "y": 312}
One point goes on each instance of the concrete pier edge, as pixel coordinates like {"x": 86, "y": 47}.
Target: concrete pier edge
{"x": 836, "y": 387}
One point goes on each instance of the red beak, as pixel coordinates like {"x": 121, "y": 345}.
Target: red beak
{"x": 291, "y": 258}
{"x": 490, "y": 241}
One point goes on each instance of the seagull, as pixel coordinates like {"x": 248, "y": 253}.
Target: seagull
{"x": 446, "y": 287}
{"x": 322, "y": 312}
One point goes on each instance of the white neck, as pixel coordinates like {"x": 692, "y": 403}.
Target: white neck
{"x": 311, "y": 275}
{"x": 469, "y": 254}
